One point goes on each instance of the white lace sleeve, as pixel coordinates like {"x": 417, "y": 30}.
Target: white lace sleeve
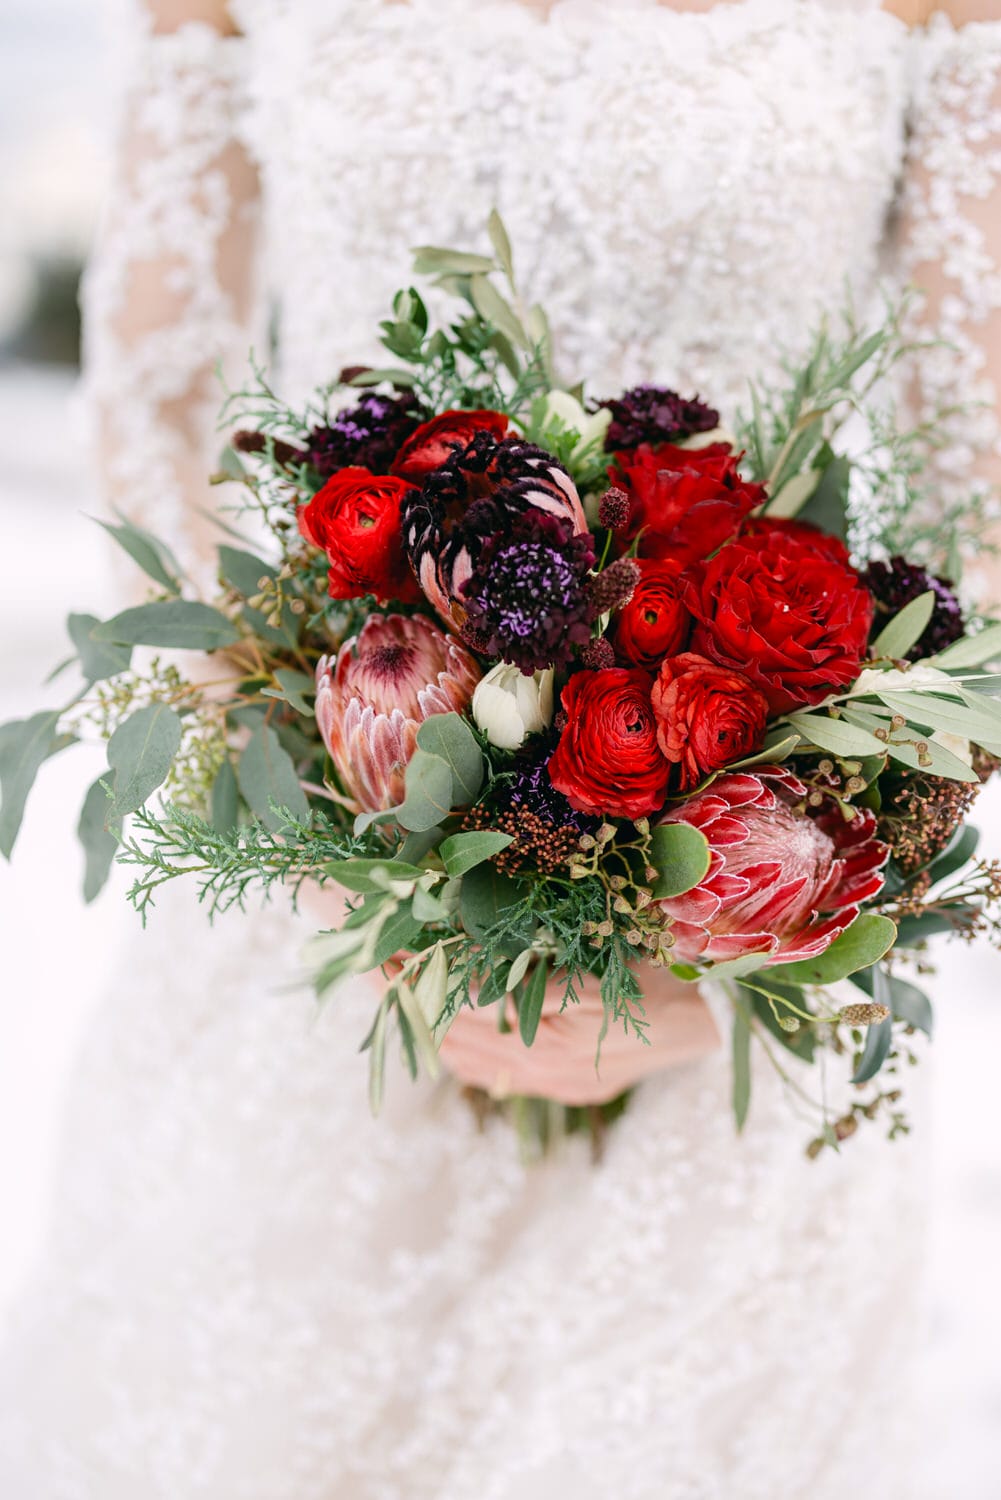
{"x": 171, "y": 288}
{"x": 951, "y": 249}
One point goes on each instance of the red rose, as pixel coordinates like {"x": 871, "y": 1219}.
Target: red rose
{"x": 779, "y": 607}
{"x": 707, "y": 716}
{"x": 607, "y": 761}
{"x": 355, "y": 520}
{"x": 685, "y": 502}
{"x": 435, "y": 441}
{"x": 654, "y": 622}
{"x": 804, "y": 531}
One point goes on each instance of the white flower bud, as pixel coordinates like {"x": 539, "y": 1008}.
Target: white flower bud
{"x": 589, "y": 426}
{"x": 508, "y": 706}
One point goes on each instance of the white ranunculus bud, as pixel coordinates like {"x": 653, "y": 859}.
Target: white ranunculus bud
{"x": 508, "y": 706}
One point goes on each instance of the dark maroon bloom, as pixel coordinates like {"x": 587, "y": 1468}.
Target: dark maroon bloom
{"x": 473, "y": 501}
{"x": 532, "y": 791}
{"x": 895, "y": 583}
{"x": 652, "y": 414}
{"x": 368, "y": 435}
{"x": 526, "y": 599}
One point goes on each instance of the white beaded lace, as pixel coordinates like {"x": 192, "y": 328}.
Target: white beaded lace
{"x": 253, "y": 1291}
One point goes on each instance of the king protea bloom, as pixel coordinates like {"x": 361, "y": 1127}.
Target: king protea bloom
{"x": 785, "y": 879}
{"x": 372, "y": 699}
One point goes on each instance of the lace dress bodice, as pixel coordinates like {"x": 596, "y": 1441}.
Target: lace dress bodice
{"x": 254, "y": 1292}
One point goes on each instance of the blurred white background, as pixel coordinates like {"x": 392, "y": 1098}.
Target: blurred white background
{"x": 54, "y": 91}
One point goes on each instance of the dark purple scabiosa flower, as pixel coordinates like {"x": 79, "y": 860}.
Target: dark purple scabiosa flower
{"x": 367, "y": 435}
{"x": 527, "y": 600}
{"x": 474, "y": 500}
{"x": 652, "y": 414}
{"x": 545, "y": 830}
{"x": 895, "y": 583}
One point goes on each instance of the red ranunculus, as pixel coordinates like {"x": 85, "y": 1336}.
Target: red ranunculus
{"x": 707, "y": 716}
{"x": 436, "y": 440}
{"x": 785, "y": 878}
{"x": 608, "y": 761}
{"x": 781, "y": 608}
{"x": 654, "y": 622}
{"x": 685, "y": 502}
{"x": 355, "y": 520}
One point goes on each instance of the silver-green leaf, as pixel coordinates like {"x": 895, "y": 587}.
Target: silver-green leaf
{"x": 141, "y": 752}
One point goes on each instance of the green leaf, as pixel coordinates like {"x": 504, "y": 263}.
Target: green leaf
{"x": 268, "y": 780}
{"x": 96, "y": 831}
{"x": 292, "y": 686}
{"x": 827, "y": 507}
{"x": 377, "y": 1060}
{"x": 416, "y": 845}
{"x": 408, "y": 1003}
{"x": 835, "y": 736}
{"x": 243, "y": 571}
{"x": 530, "y": 1005}
{"x": 450, "y": 737}
{"x": 795, "y": 492}
{"x": 958, "y": 852}
{"x": 97, "y": 659}
{"x": 967, "y": 719}
{"x": 356, "y": 874}
{"x": 428, "y": 799}
{"x": 917, "y": 929}
{"x": 935, "y": 759}
{"x": 398, "y": 934}
{"x": 493, "y": 309}
{"x": 862, "y": 945}
{"x": 681, "y": 855}
{"x": 741, "y": 1052}
{"x": 182, "y": 623}
{"x": 141, "y": 752}
{"x": 435, "y": 260}
{"x": 501, "y": 243}
{"x": 904, "y": 631}
{"x": 153, "y": 556}
{"x": 390, "y": 376}
{"x": 25, "y": 744}
{"x": 971, "y": 651}
{"x": 463, "y": 851}
{"x": 878, "y": 1042}
{"x": 224, "y": 799}
{"x": 906, "y": 1001}
{"x": 778, "y": 745}
{"x": 485, "y": 895}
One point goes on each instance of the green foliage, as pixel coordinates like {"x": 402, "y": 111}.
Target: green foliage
{"x": 98, "y": 659}
{"x": 141, "y": 752}
{"x": 681, "y": 855}
{"x": 153, "y": 556}
{"x": 182, "y": 623}
{"x": 98, "y": 831}
{"x": 862, "y": 945}
{"x": 25, "y": 745}
{"x": 268, "y": 781}
{"x": 741, "y": 1056}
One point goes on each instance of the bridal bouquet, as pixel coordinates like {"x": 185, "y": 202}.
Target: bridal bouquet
{"x": 557, "y": 687}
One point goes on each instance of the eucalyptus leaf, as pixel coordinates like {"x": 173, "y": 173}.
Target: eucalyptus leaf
{"x": 416, "y": 845}
{"x": 428, "y": 798}
{"x": 681, "y": 856}
{"x": 97, "y": 830}
{"x": 98, "y": 659}
{"x": 485, "y": 895}
{"x": 435, "y": 260}
{"x": 450, "y": 738}
{"x": 835, "y": 735}
{"x": 153, "y": 556}
{"x": 904, "y": 631}
{"x": 958, "y": 852}
{"x": 878, "y": 1042}
{"x": 972, "y": 650}
{"x": 224, "y": 799}
{"x": 141, "y": 752}
{"x": 291, "y": 689}
{"x": 243, "y": 571}
{"x": 464, "y": 851}
{"x": 741, "y": 1054}
{"x": 906, "y": 1001}
{"x": 182, "y": 623}
{"x": 859, "y": 947}
{"x": 268, "y": 780}
{"x": 531, "y": 1003}
{"x": 827, "y": 507}
{"x": 397, "y": 935}
{"x": 356, "y": 874}
{"x": 25, "y": 744}
{"x": 493, "y": 308}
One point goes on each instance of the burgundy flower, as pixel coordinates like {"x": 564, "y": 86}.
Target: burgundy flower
{"x": 372, "y": 699}
{"x": 652, "y": 414}
{"x": 473, "y": 500}
{"x": 367, "y": 435}
{"x": 785, "y": 879}
{"x": 895, "y": 583}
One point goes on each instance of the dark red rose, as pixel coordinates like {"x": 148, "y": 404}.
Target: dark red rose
{"x": 654, "y": 622}
{"x": 686, "y": 502}
{"x": 434, "y": 442}
{"x": 781, "y": 609}
{"x": 707, "y": 716}
{"x": 821, "y": 541}
{"x": 355, "y": 520}
{"x": 607, "y": 761}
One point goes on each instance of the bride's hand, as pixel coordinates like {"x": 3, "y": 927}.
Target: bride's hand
{"x": 560, "y": 1064}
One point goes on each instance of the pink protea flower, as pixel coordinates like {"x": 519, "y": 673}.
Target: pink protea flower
{"x": 785, "y": 880}
{"x": 372, "y": 699}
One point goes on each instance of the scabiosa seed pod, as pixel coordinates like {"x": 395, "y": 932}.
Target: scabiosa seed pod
{"x": 473, "y": 500}
{"x": 614, "y": 586}
{"x": 895, "y": 583}
{"x": 863, "y": 1014}
{"x": 614, "y": 509}
{"x": 653, "y": 414}
{"x": 372, "y": 699}
{"x": 598, "y": 655}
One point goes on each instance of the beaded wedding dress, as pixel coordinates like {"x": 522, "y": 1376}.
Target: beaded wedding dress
{"x": 252, "y": 1291}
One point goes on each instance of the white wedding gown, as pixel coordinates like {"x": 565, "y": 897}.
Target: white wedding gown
{"x": 252, "y": 1291}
